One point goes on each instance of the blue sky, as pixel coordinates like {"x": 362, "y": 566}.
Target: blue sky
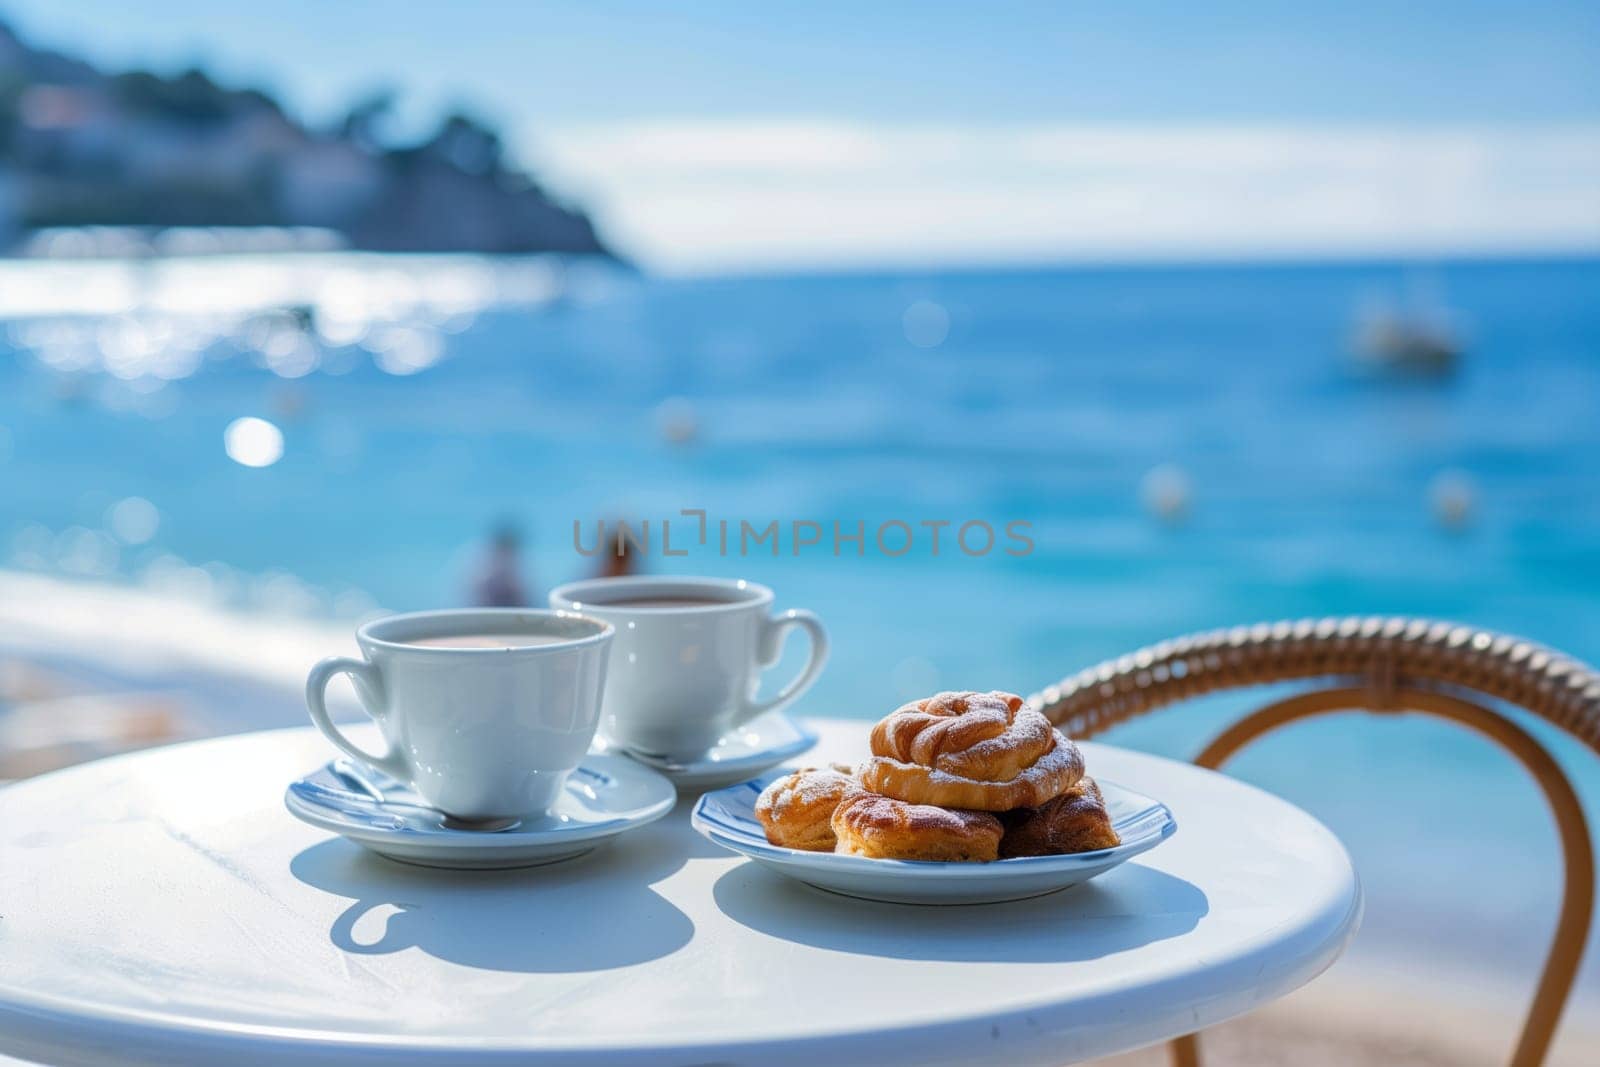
{"x": 933, "y": 134}
{"x": 1358, "y": 60}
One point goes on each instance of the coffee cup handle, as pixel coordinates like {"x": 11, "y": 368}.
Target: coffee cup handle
{"x": 774, "y": 631}
{"x": 369, "y": 687}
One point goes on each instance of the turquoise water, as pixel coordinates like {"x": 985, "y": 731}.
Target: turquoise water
{"x": 1048, "y": 398}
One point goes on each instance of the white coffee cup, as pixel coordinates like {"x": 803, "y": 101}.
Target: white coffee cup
{"x": 478, "y": 732}
{"x": 688, "y": 657}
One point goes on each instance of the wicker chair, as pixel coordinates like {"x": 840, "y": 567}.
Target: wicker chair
{"x": 1383, "y": 665}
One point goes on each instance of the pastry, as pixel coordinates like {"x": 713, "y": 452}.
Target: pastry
{"x": 881, "y": 827}
{"x": 797, "y": 809}
{"x": 982, "y": 751}
{"x": 1075, "y": 821}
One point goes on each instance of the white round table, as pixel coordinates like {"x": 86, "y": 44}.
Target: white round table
{"x": 164, "y": 908}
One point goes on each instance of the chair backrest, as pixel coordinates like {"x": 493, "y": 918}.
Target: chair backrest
{"x": 1386, "y": 665}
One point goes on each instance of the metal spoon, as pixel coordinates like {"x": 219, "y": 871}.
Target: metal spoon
{"x": 352, "y": 776}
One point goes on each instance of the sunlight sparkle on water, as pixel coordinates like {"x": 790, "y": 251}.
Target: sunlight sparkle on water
{"x": 253, "y": 442}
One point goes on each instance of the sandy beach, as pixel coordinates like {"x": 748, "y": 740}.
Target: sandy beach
{"x": 1357, "y": 1015}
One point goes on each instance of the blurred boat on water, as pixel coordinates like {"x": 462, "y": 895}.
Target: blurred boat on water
{"x": 1397, "y": 345}
{"x": 1417, "y": 338}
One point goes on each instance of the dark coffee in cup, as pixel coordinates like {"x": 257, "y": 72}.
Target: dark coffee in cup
{"x": 661, "y": 602}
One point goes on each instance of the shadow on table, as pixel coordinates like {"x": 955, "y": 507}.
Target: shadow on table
{"x": 592, "y": 913}
{"x": 1124, "y": 909}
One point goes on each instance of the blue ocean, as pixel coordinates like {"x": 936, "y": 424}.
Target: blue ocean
{"x": 1182, "y": 448}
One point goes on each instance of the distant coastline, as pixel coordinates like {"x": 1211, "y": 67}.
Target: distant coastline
{"x": 136, "y": 153}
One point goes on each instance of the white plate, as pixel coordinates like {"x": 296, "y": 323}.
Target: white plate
{"x": 603, "y": 797}
{"x": 727, "y": 817}
{"x": 762, "y": 743}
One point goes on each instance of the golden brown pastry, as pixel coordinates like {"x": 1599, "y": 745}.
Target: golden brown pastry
{"x": 797, "y": 809}
{"x": 887, "y": 829}
{"x": 982, "y": 751}
{"x": 1075, "y": 821}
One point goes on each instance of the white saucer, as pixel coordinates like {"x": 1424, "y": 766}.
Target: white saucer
{"x": 746, "y": 751}
{"x": 605, "y": 796}
{"x": 727, "y": 817}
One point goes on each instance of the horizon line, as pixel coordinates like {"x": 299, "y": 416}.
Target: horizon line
{"x": 1156, "y": 261}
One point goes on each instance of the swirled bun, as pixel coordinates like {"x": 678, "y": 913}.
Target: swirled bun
{"x": 1075, "y": 821}
{"x": 981, "y": 751}
{"x": 797, "y": 810}
{"x": 883, "y": 828}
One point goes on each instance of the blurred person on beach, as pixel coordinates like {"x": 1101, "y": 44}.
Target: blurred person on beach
{"x": 616, "y": 561}
{"x": 497, "y": 580}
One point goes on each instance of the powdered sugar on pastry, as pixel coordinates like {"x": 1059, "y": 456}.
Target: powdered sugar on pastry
{"x": 983, "y": 751}
{"x": 796, "y": 810}
{"x": 992, "y": 736}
